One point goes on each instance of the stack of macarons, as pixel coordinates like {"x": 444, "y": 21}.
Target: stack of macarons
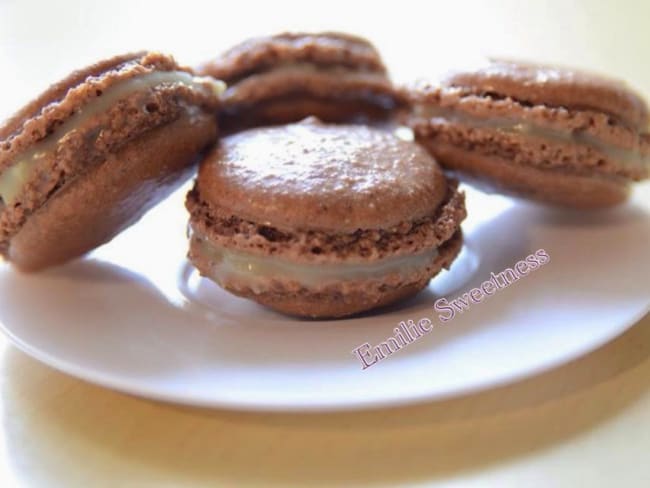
{"x": 309, "y": 203}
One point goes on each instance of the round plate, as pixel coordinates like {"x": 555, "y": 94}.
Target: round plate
{"x": 134, "y": 316}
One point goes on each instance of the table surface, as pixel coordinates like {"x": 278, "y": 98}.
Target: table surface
{"x": 586, "y": 422}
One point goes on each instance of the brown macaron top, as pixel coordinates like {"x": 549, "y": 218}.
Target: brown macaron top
{"x": 323, "y": 49}
{"x": 314, "y": 176}
{"x": 554, "y": 86}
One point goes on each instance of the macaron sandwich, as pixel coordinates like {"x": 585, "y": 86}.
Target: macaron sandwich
{"x": 322, "y": 220}
{"x": 287, "y": 77}
{"x": 551, "y": 134}
{"x": 92, "y": 154}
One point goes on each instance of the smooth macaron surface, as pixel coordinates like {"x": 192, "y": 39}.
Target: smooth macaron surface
{"x": 284, "y": 78}
{"x": 547, "y": 133}
{"x": 311, "y": 175}
{"x": 59, "y": 141}
{"x": 322, "y": 220}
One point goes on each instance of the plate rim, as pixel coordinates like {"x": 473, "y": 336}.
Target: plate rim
{"x": 105, "y": 380}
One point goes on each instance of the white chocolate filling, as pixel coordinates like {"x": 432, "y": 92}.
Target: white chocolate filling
{"x": 625, "y": 156}
{"x": 243, "y": 269}
{"x": 288, "y": 72}
{"x": 300, "y": 67}
{"x": 14, "y": 178}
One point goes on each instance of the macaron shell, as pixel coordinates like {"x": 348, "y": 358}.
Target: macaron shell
{"x": 58, "y": 90}
{"x": 99, "y": 204}
{"x": 321, "y": 248}
{"x": 322, "y": 177}
{"x": 556, "y": 86}
{"x": 500, "y": 175}
{"x": 329, "y": 48}
{"x": 48, "y": 117}
{"x": 332, "y": 306}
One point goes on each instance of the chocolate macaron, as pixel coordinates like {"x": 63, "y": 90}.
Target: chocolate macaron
{"x": 322, "y": 220}
{"x": 547, "y": 133}
{"x": 94, "y": 152}
{"x": 287, "y": 77}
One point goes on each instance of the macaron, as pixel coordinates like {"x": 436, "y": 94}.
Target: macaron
{"x": 547, "y": 133}
{"x": 88, "y": 157}
{"x": 287, "y": 77}
{"x": 320, "y": 220}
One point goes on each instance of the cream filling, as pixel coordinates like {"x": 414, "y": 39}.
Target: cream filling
{"x": 625, "y": 156}
{"x": 14, "y": 178}
{"x": 301, "y": 68}
{"x": 256, "y": 271}
{"x": 311, "y": 67}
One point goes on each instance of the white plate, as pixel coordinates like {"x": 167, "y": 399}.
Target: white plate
{"x": 134, "y": 317}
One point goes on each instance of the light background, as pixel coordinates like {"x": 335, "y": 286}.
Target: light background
{"x": 588, "y": 422}
{"x": 41, "y": 41}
